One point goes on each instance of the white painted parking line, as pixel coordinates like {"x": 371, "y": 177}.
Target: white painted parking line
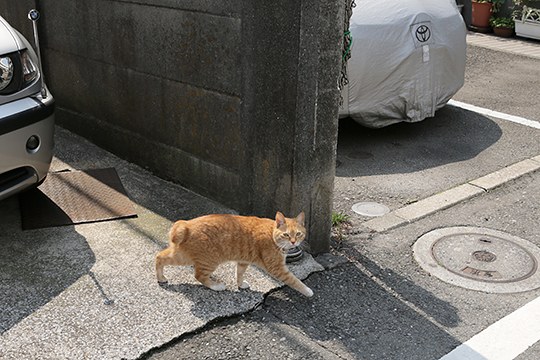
{"x": 505, "y": 339}
{"x": 498, "y": 115}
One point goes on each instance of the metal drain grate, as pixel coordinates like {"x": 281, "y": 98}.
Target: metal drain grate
{"x": 75, "y": 197}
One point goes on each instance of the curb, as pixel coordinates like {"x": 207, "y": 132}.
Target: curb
{"x": 453, "y": 196}
{"x": 514, "y": 46}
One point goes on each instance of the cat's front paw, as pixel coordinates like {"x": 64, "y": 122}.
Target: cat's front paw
{"x": 307, "y": 292}
{"x": 244, "y": 285}
{"x": 218, "y": 287}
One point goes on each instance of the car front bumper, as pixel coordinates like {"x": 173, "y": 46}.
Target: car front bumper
{"x": 21, "y": 167}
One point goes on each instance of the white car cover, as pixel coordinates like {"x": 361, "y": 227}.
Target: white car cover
{"x": 407, "y": 60}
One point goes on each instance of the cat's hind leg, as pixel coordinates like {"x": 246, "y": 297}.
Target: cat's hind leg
{"x": 170, "y": 256}
{"x": 240, "y": 270}
{"x": 202, "y": 274}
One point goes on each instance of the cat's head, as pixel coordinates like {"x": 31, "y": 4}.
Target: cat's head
{"x": 289, "y": 233}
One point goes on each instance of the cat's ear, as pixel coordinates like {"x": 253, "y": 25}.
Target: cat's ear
{"x": 301, "y": 218}
{"x": 280, "y": 219}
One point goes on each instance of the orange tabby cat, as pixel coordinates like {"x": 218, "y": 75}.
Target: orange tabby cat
{"x": 208, "y": 241}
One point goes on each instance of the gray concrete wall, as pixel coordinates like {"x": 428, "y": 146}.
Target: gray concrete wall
{"x": 234, "y": 99}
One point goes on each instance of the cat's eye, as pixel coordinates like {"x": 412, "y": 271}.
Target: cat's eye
{"x": 298, "y": 234}
{"x": 286, "y": 235}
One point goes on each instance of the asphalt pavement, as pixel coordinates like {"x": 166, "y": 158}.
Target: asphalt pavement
{"x": 88, "y": 291}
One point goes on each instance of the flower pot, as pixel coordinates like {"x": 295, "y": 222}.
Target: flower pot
{"x": 503, "y": 31}
{"x": 481, "y": 12}
{"x": 529, "y": 24}
{"x": 528, "y": 29}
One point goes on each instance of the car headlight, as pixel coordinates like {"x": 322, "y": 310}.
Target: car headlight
{"x": 30, "y": 70}
{"x": 6, "y": 72}
{"x": 18, "y": 70}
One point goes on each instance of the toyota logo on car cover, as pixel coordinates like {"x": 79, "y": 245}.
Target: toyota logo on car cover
{"x": 423, "y": 33}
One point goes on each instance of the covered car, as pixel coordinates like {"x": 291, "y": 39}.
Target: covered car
{"x": 26, "y": 115}
{"x": 407, "y": 60}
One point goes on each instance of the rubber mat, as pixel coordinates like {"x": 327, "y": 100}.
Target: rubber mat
{"x": 75, "y": 197}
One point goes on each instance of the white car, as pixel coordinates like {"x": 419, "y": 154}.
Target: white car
{"x": 407, "y": 60}
{"x": 26, "y": 115}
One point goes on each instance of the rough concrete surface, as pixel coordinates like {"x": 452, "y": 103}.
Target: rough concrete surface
{"x": 89, "y": 291}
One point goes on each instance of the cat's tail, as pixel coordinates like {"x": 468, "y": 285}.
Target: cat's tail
{"x": 178, "y": 232}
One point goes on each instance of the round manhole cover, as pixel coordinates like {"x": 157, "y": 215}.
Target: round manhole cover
{"x": 479, "y": 259}
{"x": 370, "y": 209}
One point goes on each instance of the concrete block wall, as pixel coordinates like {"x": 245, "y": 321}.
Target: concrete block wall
{"x": 234, "y": 99}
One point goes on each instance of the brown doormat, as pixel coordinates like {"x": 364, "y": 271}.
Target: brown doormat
{"x": 75, "y": 197}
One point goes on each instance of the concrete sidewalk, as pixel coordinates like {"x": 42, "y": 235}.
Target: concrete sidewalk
{"x": 514, "y": 45}
{"x": 89, "y": 291}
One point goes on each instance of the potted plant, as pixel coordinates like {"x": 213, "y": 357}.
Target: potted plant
{"x": 527, "y": 18}
{"x": 502, "y": 26}
{"x": 482, "y": 10}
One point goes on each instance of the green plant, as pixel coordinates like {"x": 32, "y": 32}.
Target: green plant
{"x": 340, "y": 226}
{"x": 339, "y": 218}
{"x": 529, "y": 8}
{"x": 501, "y": 22}
{"x": 529, "y": 3}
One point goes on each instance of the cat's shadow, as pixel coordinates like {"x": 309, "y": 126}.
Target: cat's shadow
{"x": 207, "y": 304}
{"x": 199, "y": 290}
